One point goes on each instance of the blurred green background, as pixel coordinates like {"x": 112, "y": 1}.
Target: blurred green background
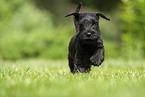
{"x": 38, "y": 29}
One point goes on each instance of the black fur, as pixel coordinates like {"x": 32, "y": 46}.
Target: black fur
{"x": 86, "y": 46}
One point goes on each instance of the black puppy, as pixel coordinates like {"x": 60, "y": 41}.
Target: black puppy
{"x": 86, "y": 46}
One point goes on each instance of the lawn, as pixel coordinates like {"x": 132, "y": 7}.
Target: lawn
{"x": 41, "y": 78}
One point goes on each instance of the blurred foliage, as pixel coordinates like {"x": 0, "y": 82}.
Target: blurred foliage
{"x": 28, "y": 32}
{"x": 102, "y": 5}
{"x": 133, "y": 26}
{"x": 56, "y": 5}
{"x": 38, "y": 29}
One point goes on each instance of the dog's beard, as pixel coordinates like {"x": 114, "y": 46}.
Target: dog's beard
{"x": 91, "y": 39}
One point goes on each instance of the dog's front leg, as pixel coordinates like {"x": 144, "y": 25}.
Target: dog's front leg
{"x": 79, "y": 63}
{"x": 98, "y": 57}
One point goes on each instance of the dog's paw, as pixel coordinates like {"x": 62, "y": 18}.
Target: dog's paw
{"x": 96, "y": 61}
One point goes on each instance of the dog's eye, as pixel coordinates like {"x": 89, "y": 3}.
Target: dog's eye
{"x": 82, "y": 26}
{"x": 94, "y": 25}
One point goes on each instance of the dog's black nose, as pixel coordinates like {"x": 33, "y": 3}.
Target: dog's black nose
{"x": 88, "y": 34}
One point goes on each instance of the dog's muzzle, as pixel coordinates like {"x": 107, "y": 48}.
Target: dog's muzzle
{"x": 88, "y": 34}
{"x": 88, "y": 37}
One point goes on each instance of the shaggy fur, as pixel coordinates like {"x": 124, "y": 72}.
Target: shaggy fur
{"x": 86, "y": 46}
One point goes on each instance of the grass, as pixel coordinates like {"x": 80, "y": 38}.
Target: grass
{"x": 40, "y": 78}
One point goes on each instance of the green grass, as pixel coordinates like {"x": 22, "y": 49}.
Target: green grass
{"x": 39, "y": 78}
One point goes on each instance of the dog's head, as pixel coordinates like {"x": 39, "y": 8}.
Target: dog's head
{"x": 87, "y": 24}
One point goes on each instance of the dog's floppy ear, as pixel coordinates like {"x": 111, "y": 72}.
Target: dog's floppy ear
{"x": 76, "y": 16}
{"x": 76, "y": 13}
{"x": 102, "y": 15}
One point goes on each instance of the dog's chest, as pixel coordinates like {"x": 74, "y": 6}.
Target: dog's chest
{"x": 88, "y": 50}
